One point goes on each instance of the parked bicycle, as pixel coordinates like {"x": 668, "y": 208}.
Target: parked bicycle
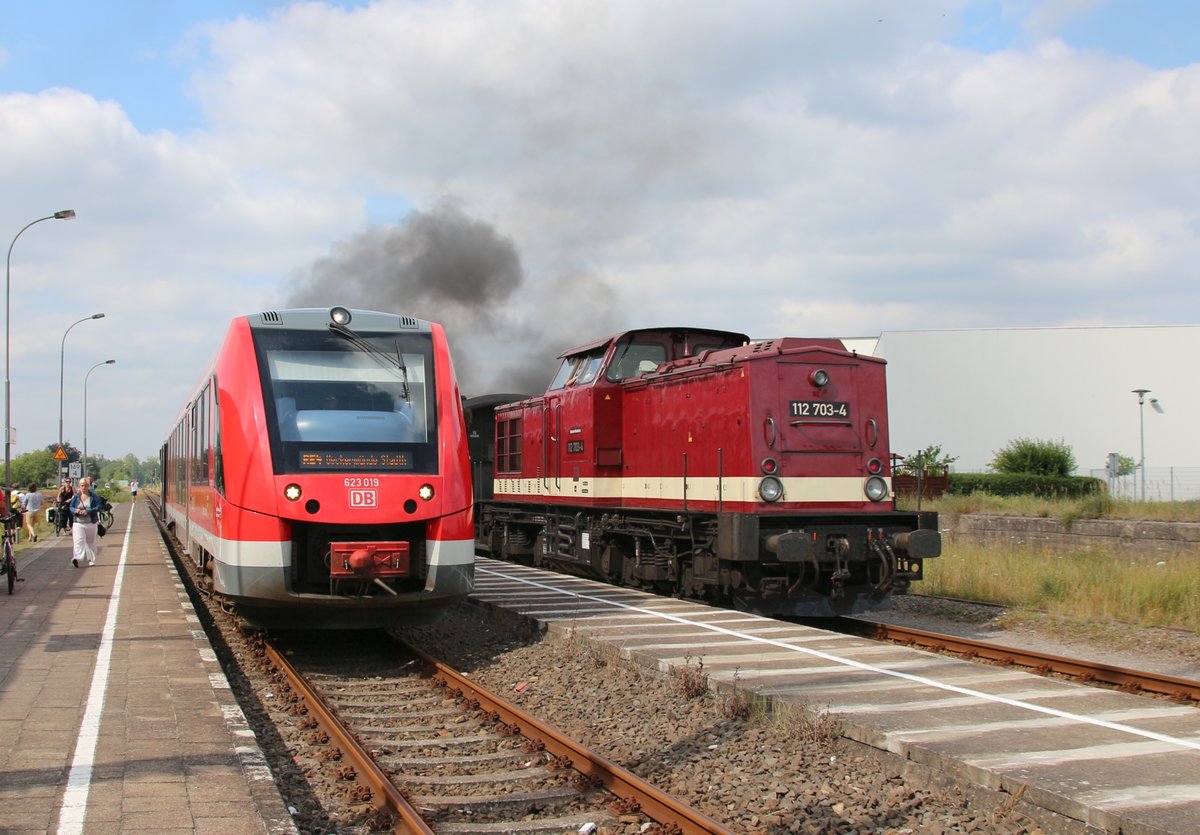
{"x": 8, "y": 567}
{"x": 105, "y": 516}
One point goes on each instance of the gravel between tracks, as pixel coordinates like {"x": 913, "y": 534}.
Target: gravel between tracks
{"x": 753, "y": 773}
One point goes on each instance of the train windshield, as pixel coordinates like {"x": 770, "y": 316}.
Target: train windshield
{"x": 343, "y": 401}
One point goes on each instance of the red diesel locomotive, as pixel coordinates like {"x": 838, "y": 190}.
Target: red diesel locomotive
{"x": 319, "y": 472}
{"x": 701, "y": 464}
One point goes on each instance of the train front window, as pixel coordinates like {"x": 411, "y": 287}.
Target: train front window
{"x": 349, "y": 404}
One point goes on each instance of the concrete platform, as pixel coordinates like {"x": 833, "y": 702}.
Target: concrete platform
{"x": 1105, "y": 760}
{"x": 114, "y": 714}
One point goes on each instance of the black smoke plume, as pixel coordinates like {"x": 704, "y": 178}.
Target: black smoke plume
{"x": 456, "y": 270}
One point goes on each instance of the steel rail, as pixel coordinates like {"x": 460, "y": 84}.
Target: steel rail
{"x": 624, "y": 784}
{"x": 1178, "y": 689}
{"x": 384, "y": 793}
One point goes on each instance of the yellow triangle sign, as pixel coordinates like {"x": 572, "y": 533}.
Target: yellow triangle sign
{"x": 60, "y": 454}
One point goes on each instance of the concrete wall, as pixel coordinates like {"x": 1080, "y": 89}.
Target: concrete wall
{"x": 1135, "y": 537}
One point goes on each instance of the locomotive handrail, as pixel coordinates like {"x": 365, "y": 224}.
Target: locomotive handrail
{"x": 545, "y": 453}
{"x": 558, "y": 427}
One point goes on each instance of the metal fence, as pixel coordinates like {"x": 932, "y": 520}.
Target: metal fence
{"x": 1162, "y": 484}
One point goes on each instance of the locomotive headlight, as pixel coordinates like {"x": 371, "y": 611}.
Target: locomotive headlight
{"x": 292, "y": 492}
{"x": 426, "y": 492}
{"x": 875, "y": 488}
{"x": 339, "y": 315}
{"x": 819, "y": 378}
{"x": 770, "y": 489}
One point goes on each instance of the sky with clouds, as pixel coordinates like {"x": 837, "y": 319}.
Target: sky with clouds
{"x": 536, "y": 174}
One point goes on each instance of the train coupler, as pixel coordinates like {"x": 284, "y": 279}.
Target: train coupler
{"x": 368, "y": 560}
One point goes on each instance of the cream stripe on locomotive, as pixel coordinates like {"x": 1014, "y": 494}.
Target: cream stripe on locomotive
{"x": 740, "y": 489}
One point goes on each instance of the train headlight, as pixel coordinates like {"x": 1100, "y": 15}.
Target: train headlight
{"x": 819, "y": 378}
{"x": 426, "y": 492}
{"x": 770, "y": 489}
{"x": 292, "y": 492}
{"x": 875, "y": 488}
{"x": 339, "y": 315}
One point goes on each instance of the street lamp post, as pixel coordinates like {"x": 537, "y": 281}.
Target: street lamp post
{"x": 65, "y": 214}
{"x": 1141, "y": 393}
{"x": 62, "y": 353}
{"x": 85, "y": 382}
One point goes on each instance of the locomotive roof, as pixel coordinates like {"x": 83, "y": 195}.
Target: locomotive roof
{"x": 596, "y": 343}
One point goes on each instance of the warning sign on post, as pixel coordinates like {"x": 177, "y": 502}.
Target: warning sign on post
{"x": 60, "y": 454}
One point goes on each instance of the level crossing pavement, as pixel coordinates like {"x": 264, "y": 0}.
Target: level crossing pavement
{"x": 114, "y": 713}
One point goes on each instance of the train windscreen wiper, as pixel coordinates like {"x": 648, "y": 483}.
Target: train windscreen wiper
{"x": 382, "y": 357}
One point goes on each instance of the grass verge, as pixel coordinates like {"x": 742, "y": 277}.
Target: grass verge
{"x": 1094, "y": 585}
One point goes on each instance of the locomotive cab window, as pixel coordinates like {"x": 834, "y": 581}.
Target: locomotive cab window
{"x": 337, "y": 403}
{"x": 578, "y": 370}
{"x": 635, "y": 358}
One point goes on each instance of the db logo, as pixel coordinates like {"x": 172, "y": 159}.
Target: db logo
{"x": 363, "y": 498}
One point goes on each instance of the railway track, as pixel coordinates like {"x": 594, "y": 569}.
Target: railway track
{"x": 430, "y": 751}
{"x": 1184, "y": 691}
{"x": 444, "y": 755}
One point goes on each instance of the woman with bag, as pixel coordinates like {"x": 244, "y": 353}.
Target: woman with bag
{"x": 85, "y": 510}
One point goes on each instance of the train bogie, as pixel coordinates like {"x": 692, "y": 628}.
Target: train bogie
{"x": 698, "y": 463}
{"x": 319, "y": 474}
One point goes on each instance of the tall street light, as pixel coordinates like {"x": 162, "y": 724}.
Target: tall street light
{"x": 85, "y": 381}
{"x": 65, "y": 214}
{"x": 1141, "y": 393}
{"x": 62, "y": 353}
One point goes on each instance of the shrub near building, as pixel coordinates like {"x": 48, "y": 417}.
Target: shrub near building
{"x": 1027, "y": 467}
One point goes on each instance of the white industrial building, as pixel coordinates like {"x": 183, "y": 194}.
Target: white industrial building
{"x": 974, "y": 391}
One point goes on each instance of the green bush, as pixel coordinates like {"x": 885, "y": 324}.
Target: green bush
{"x": 1025, "y": 484}
{"x": 1025, "y": 455}
{"x": 929, "y": 461}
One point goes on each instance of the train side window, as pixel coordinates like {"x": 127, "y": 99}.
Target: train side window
{"x": 636, "y": 358}
{"x": 508, "y": 445}
{"x": 218, "y": 457}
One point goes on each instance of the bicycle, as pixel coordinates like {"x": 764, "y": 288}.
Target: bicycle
{"x": 62, "y": 518}
{"x": 12, "y": 524}
{"x": 106, "y": 517}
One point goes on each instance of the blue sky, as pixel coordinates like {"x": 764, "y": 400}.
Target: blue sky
{"x": 826, "y": 168}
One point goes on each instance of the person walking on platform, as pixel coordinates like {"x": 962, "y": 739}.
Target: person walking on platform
{"x": 62, "y": 508}
{"x": 85, "y": 509}
{"x": 133, "y": 488}
{"x": 33, "y": 506}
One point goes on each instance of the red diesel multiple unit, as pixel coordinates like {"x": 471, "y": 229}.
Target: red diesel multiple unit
{"x": 319, "y": 474}
{"x": 698, "y": 463}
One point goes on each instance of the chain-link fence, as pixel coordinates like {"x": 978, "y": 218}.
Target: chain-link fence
{"x": 1162, "y": 484}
